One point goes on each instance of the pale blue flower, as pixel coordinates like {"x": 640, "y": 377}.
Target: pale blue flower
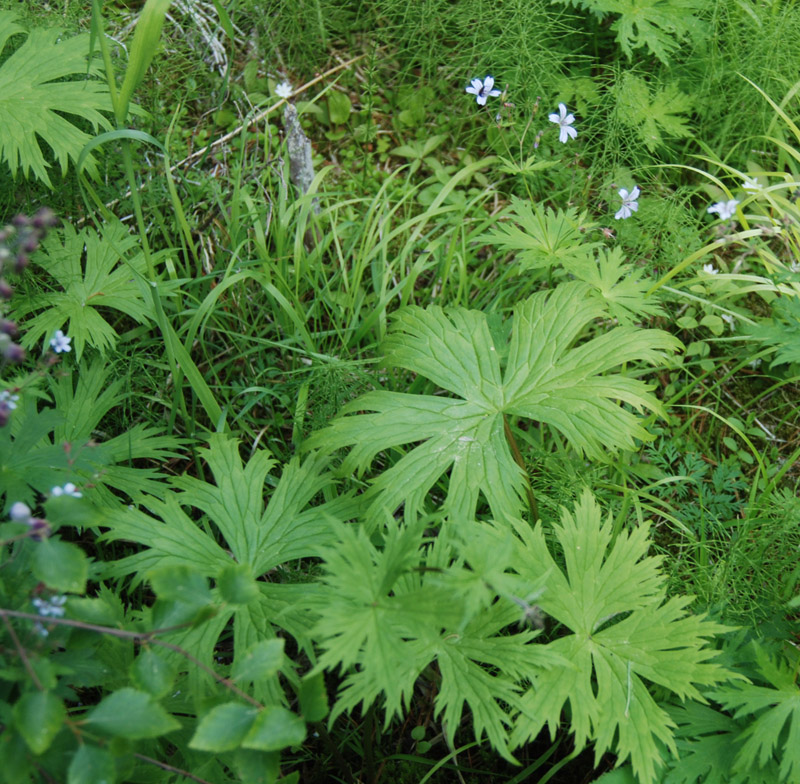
{"x": 483, "y": 89}
{"x": 564, "y": 122}
{"x": 10, "y": 401}
{"x": 725, "y": 209}
{"x": 60, "y": 342}
{"x": 629, "y": 202}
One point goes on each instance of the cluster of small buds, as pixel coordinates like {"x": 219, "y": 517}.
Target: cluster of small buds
{"x": 17, "y": 241}
{"x": 21, "y": 513}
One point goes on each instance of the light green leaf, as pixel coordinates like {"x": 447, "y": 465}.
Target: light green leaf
{"x": 338, "y": 107}
{"x": 38, "y": 716}
{"x": 261, "y": 661}
{"x": 274, "y": 729}
{"x": 546, "y": 379}
{"x": 62, "y": 566}
{"x": 608, "y": 661}
{"x": 181, "y": 584}
{"x": 131, "y": 714}
{"x": 224, "y": 727}
{"x": 236, "y": 584}
{"x": 91, "y": 765}
{"x": 153, "y": 673}
{"x": 36, "y": 91}
{"x": 313, "y": 697}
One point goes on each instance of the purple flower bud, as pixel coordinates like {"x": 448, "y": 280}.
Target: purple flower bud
{"x": 45, "y": 218}
{"x": 14, "y": 353}
{"x": 21, "y": 262}
{"x": 21, "y": 220}
{"x": 8, "y": 328}
{"x": 4, "y": 234}
{"x": 6, "y": 291}
{"x": 29, "y": 244}
{"x": 40, "y": 529}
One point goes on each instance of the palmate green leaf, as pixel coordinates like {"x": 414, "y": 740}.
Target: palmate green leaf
{"x": 546, "y": 379}
{"x": 623, "y": 635}
{"x": 384, "y": 619}
{"x": 92, "y": 271}
{"x": 619, "y": 286}
{"x": 541, "y": 238}
{"x": 773, "y": 716}
{"x": 652, "y": 116}
{"x": 252, "y": 536}
{"x": 34, "y": 96}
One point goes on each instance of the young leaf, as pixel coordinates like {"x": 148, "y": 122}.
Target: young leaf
{"x": 38, "y": 716}
{"x": 546, "y": 379}
{"x": 260, "y": 661}
{"x": 35, "y": 93}
{"x": 611, "y": 597}
{"x": 91, "y": 765}
{"x": 273, "y": 729}
{"x": 541, "y": 238}
{"x": 224, "y": 727}
{"x": 153, "y": 673}
{"x": 131, "y": 714}
{"x": 62, "y": 566}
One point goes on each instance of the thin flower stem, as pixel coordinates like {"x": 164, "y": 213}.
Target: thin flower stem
{"x": 22, "y": 655}
{"x": 142, "y": 638}
{"x": 170, "y": 768}
{"x": 512, "y": 442}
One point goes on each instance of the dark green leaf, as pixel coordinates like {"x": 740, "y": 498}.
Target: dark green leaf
{"x": 39, "y": 716}
{"x": 153, "y": 673}
{"x": 313, "y": 697}
{"x": 132, "y": 714}
{"x": 61, "y": 565}
{"x": 91, "y": 765}
{"x": 256, "y": 767}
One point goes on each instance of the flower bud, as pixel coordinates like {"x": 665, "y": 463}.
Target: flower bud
{"x": 21, "y": 220}
{"x": 45, "y": 218}
{"x": 29, "y": 244}
{"x": 6, "y": 291}
{"x": 21, "y": 262}
{"x": 8, "y": 328}
{"x": 14, "y": 353}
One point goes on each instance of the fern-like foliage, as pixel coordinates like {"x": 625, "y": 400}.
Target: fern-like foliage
{"x": 92, "y": 272}
{"x": 47, "y": 445}
{"x": 238, "y": 541}
{"x": 541, "y": 237}
{"x": 652, "y": 115}
{"x": 34, "y": 95}
{"x": 623, "y": 635}
{"x": 547, "y": 378}
{"x": 658, "y": 25}
{"x": 772, "y": 711}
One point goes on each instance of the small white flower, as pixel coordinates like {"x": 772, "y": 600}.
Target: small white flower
{"x": 284, "y": 90}
{"x": 60, "y": 342}
{"x": 68, "y": 489}
{"x": 52, "y": 608}
{"x": 20, "y": 513}
{"x": 725, "y": 209}
{"x": 483, "y": 89}
{"x": 755, "y": 364}
{"x": 9, "y": 399}
{"x": 729, "y": 320}
{"x": 629, "y": 202}
{"x": 751, "y": 184}
{"x": 564, "y": 122}
{"x": 710, "y": 269}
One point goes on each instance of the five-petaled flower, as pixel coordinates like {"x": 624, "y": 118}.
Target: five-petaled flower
{"x": 60, "y": 342}
{"x": 8, "y": 400}
{"x": 710, "y": 269}
{"x": 68, "y": 489}
{"x": 725, "y": 209}
{"x": 284, "y": 90}
{"x": 564, "y": 122}
{"x": 483, "y": 89}
{"x": 751, "y": 184}
{"x": 629, "y": 202}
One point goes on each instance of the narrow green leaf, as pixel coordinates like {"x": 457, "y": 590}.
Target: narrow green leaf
{"x": 261, "y": 661}
{"x": 39, "y": 716}
{"x": 224, "y": 727}
{"x": 274, "y": 729}
{"x": 132, "y": 714}
{"x": 91, "y": 765}
{"x": 61, "y": 565}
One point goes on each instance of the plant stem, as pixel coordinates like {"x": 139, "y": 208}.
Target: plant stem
{"x": 512, "y": 442}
